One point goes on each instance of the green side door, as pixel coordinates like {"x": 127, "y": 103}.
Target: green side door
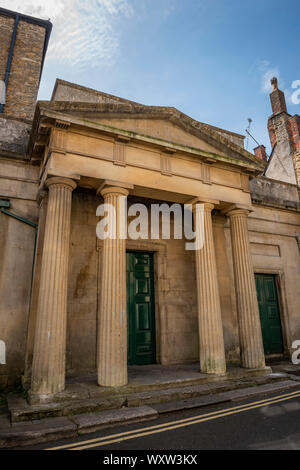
{"x": 269, "y": 313}
{"x": 140, "y": 309}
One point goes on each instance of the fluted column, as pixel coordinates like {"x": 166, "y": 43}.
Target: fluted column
{"x": 252, "y": 351}
{"x": 212, "y": 352}
{"x": 43, "y": 203}
{"x": 48, "y": 368}
{"x": 112, "y": 319}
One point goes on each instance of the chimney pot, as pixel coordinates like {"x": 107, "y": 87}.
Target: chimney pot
{"x": 274, "y": 83}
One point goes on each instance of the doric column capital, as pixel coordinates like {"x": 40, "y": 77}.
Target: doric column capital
{"x": 208, "y": 206}
{"x": 67, "y": 182}
{"x": 238, "y": 209}
{"x": 114, "y": 190}
{"x": 114, "y": 187}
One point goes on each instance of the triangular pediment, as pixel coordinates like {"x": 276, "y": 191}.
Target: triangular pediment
{"x": 165, "y": 125}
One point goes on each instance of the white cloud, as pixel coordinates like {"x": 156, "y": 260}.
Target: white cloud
{"x": 85, "y": 32}
{"x": 269, "y": 73}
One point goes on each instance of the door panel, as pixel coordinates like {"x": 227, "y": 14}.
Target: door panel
{"x": 269, "y": 313}
{"x": 140, "y": 309}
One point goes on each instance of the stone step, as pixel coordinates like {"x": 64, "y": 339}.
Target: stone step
{"x": 87, "y": 387}
{"x": 53, "y": 429}
{"x": 47, "y": 430}
{"x": 225, "y": 397}
{"x": 20, "y": 410}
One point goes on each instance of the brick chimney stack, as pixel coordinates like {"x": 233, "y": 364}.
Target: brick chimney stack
{"x": 260, "y": 152}
{"x": 278, "y": 121}
{"x": 277, "y": 98}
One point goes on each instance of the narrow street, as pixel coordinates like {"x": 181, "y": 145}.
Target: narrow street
{"x": 271, "y": 422}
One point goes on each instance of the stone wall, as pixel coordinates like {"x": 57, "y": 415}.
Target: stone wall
{"x": 274, "y": 193}
{"x": 274, "y": 244}
{"x": 14, "y": 137}
{"x": 19, "y": 183}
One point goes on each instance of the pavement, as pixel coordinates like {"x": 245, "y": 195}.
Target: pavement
{"x": 23, "y": 425}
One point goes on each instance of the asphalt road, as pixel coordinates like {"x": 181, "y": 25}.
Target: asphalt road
{"x": 271, "y": 422}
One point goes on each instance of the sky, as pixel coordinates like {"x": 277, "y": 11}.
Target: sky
{"x": 211, "y": 59}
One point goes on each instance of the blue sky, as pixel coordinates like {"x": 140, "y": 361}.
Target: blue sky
{"x": 211, "y": 59}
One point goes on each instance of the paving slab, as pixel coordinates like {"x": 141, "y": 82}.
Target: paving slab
{"x": 92, "y": 422}
{"x": 263, "y": 390}
{"x": 37, "y": 432}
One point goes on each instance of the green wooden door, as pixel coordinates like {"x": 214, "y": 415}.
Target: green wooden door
{"x": 140, "y": 309}
{"x": 269, "y": 313}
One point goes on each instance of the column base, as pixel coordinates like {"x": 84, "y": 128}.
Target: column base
{"x": 40, "y": 399}
{"x": 259, "y": 370}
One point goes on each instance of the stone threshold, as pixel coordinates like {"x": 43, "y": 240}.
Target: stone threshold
{"x": 29, "y": 433}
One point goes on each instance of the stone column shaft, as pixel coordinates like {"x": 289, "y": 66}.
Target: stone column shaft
{"x": 43, "y": 203}
{"x": 212, "y": 352}
{"x": 48, "y": 368}
{"x": 252, "y": 351}
{"x": 112, "y": 320}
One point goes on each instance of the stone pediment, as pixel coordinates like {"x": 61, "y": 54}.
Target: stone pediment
{"x": 162, "y": 125}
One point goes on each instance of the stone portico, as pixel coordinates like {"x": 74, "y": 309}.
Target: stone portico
{"x": 120, "y": 151}
{"x": 73, "y": 306}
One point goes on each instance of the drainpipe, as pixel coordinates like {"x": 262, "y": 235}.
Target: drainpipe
{"x": 4, "y": 205}
{"x": 10, "y": 56}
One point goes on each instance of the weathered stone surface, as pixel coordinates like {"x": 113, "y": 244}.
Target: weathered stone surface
{"x": 93, "y": 422}
{"x": 263, "y": 390}
{"x": 274, "y": 193}
{"x": 225, "y": 397}
{"x": 14, "y": 136}
{"x": 37, "y": 432}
